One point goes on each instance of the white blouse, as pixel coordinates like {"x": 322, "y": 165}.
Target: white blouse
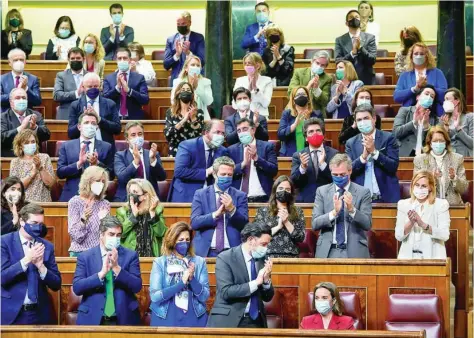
{"x": 374, "y": 29}
{"x": 66, "y": 45}
{"x": 145, "y": 68}
{"x": 261, "y": 99}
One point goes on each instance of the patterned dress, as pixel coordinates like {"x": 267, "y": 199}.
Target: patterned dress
{"x": 188, "y": 131}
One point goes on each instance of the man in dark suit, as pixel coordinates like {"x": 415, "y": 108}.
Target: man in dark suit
{"x": 127, "y": 89}
{"x": 18, "y": 78}
{"x": 116, "y": 35}
{"x": 242, "y": 98}
{"x": 218, "y": 212}
{"x": 243, "y": 281}
{"x": 182, "y": 44}
{"x": 342, "y": 213}
{"x": 67, "y": 86}
{"x": 374, "y": 155}
{"x": 254, "y": 38}
{"x": 28, "y": 270}
{"x": 309, "y": 167}
{"x": 193, "y": 162}
{"x": 109, "y": 121}
{"x": 108, "y": 277}
{"x": 256, "y": 163}
{"x": 357, "y": 47}
{"x": 77, "y": 155}
{"x": 18, "y": 118}
{"x": 137, "y": 162}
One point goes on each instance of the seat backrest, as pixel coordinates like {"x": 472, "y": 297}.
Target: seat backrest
{"x": 276, "y": 144}
{"x": 111, "y": 190}
{"x": 227, "y": 111}
{"x": 382, "y": 53}
{"x": 309, "y": 52}
{"x": 404, "y": 189}
{"x": 43, "y": 56}
{"x": 308, "y": 246}
{"x": 372, "y": 243}
{"x": 73, "y": 302}
{"x": 56, "y": 191}
{"x": 380, "y": 79}
{"x": 409, "y": 312}
{"x": 382, "y": 110}
{"x": 467, "y": 195}
{"x": 351, "y": 302}
{"x": 57, "y": 146}
{"x": 158, "y": 55}
{"x": 121, "y": 145}
{"x": 274, "y": 311}
{"x": 164, "y": 188}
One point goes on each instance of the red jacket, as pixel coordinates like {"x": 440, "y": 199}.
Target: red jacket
{"x": 315, "y": 322}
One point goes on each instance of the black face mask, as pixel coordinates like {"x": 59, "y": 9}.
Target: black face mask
{"x": 301, "y": 100}
{"x": 283, "y": 196}
{"x": 185, "y": 97}
{"x": 183, "y": 30}
{"x": 408, "y": 42}
{"x": 274, "y": 38}
{"x": 76, "y": 65}
{"x": 135, "y": 198}
{"x": 354, "y": 23}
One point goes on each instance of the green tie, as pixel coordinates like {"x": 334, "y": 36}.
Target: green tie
{"x": 109, "y": 295}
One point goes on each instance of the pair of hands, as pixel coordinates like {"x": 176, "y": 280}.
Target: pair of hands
{"x": 190, "y": 114}
{"x": 88, "y": 211}
{"x": 275, "y": 49}
{"x": 341, "y": 88}
{"x": 265, "y": 273}
{"x": 35, "y": 255}
{"x": 456, "y": 121}
{"x": 10, "y": 37}
{"x": 313, "y": 83}
{"x": 414, "y": 218}
{"x": 152, "y": 209}
{"x": 369, "y": 146}
{"x": 29, "y": 122}
{"x": 305, "y": 157}
{"x": 451, "y": 172}
{"x": 188, "y": 275}
{"x": 421, "y": 82}
{"x": 227, "y": 205}
{"x": 23, "y": 82}
{"x": 110, "y": 263}
{"x": 136, "y": 153}
{"x": 112, "y": 30}
{"x": 122, "y": 83}
{"x": 346, "y": 198}
{"x": 86, "y": 156}
{"x": 250, "y": 153}
{"x": 252, "y": 81}
{"x": 355, "y": 45}
{"x": 422, "y": 115}
{"x": 182, "y": 47}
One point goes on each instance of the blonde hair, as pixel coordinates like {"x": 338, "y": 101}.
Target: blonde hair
{"x": 271, "y": 30}
{"x": 176, "y": 107}
{"x": 184, "y": 71}
{"x": 21, "y": 138}
{"x": 430, "y": 61}
{"x": 256, "y": 59}
{"x": 349, "y": 70}
{"x": 431, "y": 182}
{"x": 185, "y": 15}
{"x": 291, "y": 102}
{"x": 433, "y": 130}
{"x": 99, "y": 50}
{"x": 147, "y": 188}
{"x": 89, "y": 176}
{"x": 13, "y": 13}
{"x": 137, "y": 47}
{"x": 338, "y": 307}
{"x": 171, "y": 236}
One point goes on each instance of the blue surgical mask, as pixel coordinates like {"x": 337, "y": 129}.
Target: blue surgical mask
{"x": 340, "y": 181}
{"x": 123, "y": 66}
{"x": 245, "y": 138}
{"x": 138, "y": 141}
{"x": 64, "y": 33}
{"x": 89, "y": 48}
{"x": 426, "y": 101}
{"x": 217, "y": 140}
{"x": 20, "y": 105}
{"x": 323, "y": 307}
{"x": 365, "y": 126}
{"x": 438, "y": 147}
{"x": 224, "y": 182}
{"x": 182, "y": 248}
{"x": 117, "y": 19}
{"x": 315, "y": 69}
{"x": 29, "y": 149}
{"x": 34, "y": 230}
{"x": 259, "y": 252}
{"x": 339, "y": 74}
{"x": 419, "y": 60}
{"x": 262, "y": 17}
{"x": 192, "y": 71}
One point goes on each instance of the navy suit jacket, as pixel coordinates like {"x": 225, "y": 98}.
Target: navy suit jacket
{"x": 308, "y": 183}
{"x": 197, "y": 47}
{"x": 125, "y": 171}
{"x": 204, "y": 204}
{"x": 15, "y": 282}
{"x": 67, "y": 165}
{"x": 137, "y": 97}
{"x": 267, "y": 164}
{"x": 231, "y": 135}
{"x": 86, "y": 283}
{"x": 109, "y": 124}
{"x": 190, "y": 169}
{"x": 109, "y": 46}
{"x": 248, "y": 41}
{"x": 33, "y": 93}
{"x": 385, "y": 166}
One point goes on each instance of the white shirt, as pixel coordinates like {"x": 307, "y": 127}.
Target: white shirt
{"x": 91, "y": 144}
{"x": 78, "y": 80}
{"x": 357, "y": 35}
{"x": 375, "y": 187}
{"x": 152, "y": 164}
{"x": 255, "y": 188}
{"x": 121, "y": 37}
{"x": 145, "y": 68}
{"x": 96, "y": 106}
{"x": 319, "y": 151}
{"x": 261, "y": 99}
{"x": 25, "y": 245}
{"x": 331, "y": 217}
{"x": 226, "y": 216}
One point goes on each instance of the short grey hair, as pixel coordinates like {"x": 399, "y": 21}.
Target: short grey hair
{"x": 12, "y": 92}
{"x": 223, "y": 160}
{"x": 14, "y": 51}
{"x": 340, "y": 158}
{"x": 365, "y": 107}
{"x": 91, "y": 76}
{"x": 322, "y": 54}
{"x": 109, "y": 222}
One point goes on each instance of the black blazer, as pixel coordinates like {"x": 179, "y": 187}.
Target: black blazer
{"x": 9, "y": 123}
{"x": 231, "y": 128}
{"x": 283, "y": 73}
{"x": 25, "y": 43}
{"x": 347, "y": 131}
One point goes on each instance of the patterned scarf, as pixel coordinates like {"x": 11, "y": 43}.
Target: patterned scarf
{"x": 175, "y": 268}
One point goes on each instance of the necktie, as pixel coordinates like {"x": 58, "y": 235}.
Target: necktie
{"x": 17, "y": 81}
{"x": 219, "y": 227}
{"x": 91, "y": 103}
{"x": 21, "y": 118}
{"x": 253, "y": 310}
{"x": 123, "y": 99}
{"x": 116, "y": 41}
{"x": 369, "y": 167}
{"x": 261, "y": 41}
{"x": 210, "y": 161}
{"x": 109, "y": 308}
{"x": 140, "y": 170}
{"x": 246, "y": 176}
{"x": 315, "y": 159}
{"x": 32, "y": 278}
{"x": 340, "y": 227}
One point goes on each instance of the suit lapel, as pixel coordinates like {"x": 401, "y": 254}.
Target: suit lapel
{"x": 69, "y": 78}
{"x": 146, "y": 162}
{"x": 241, "y": 261}
{"x": 14, "y": 120}
{"x": 201, "y": 153}
{"x": 334, "y": 323}
{"x": 358, "y": 144}
{"x": 18, "y": 248}
{"x": 347, "y": 43}
{"x": 9, "y": 81}
{"x": 306, "y": 75}
{"x": 121, "y": 256}
{"x": 211, "y": 197}
{"x": 363, "y": 39}
{"x": 318, "y": 322}
{"x": 102, "y": 106}
{"x": 96, "y": 260}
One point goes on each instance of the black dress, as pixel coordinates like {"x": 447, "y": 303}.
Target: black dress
{"x": 347, "y": 131}
{"x": 284, "y": 72}
{"x": 188, "y": 131}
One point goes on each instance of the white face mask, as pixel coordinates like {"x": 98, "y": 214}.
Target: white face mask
{"x": 13, "y": 196}
{"x": 243, "y": 105}
{"x": 18, "y": 66}
{"x": 448, "y": 106}
{"x": 97, "y": 187}
{"x": 420, "y": 193}
{"x": 89, "y": 130}
{"x": 112, "y": 243}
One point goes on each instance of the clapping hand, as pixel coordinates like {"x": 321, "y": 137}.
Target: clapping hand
{"x": 186, "y": 47}
{"x": 123, "y": 83}
{"x": 355, "y": 44}
{"x": 122, "y": 29}
{"x": 136, "y": 155}
{"x": 268, "y": 270}
{"x": 191, "y": 270}
{"x": 154, "y": 201}
{"x": 23, "y": 82}
{"x": 178, "y": 47}
{"x": 93, "y": 158}
{"x": 368, "y": 143}
{"x": 82, "y": 155}
{"x": 415, "y": 218}
{"x": 304, "y": 158}
{"x": 133, "y": 207}
{"x": 153, "y": 152}
{"x": 283, "y": 215}
{"x": 452, "y": 173}
{"x": 276, "y": 52}
{"x": 347, "y": 197}
{"x": 226, "y": 200}
{"x": 445, "y": 121}
{"x": 37, "y": 162}
{"x": 337, "y": 201}
{"x": 252, "y": 149}
{"x": 38, "y": 254}
{"x": 421, "y": 82}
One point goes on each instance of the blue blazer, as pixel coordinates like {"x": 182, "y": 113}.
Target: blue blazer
{"x": 15, "y": 283}
{"x": 67, "y": 165}
{"x": 204, "y": 204}
{"x": 231, "y": 135}
{"x": 197, "y": 47}
{"x": 308, "y": 183}
{"x": 190, "y": 169}
{"x": 407, "y": 80}
{"x": 33, "y": 93}
{"x": 248, "y": 41}
{"x": 137, "y": 97}
{"x": 288, "y": 138}
{"x": 385, "y": 166}
{"x": 109, "y": 124}
{"x": 86, "y": 283}
{"x": 267, "y": 164}
{"x": 125, "y": 171}
{"x": 110, "y": 46}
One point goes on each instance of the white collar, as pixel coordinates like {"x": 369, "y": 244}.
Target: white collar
{"x": 14, "y": 75}
{"x": 357, "y": 35}
{"x": 103, "y": 251}
{"x": 18, "y": 115}
{"x": 181, "y": 36}
{"x": 371, "y": 134}
{"x": 346, "y": 188}
{"x": 247, "y": 256}
{"x": 311, "y": 148}
{"x": 82, "y": 139}
{"x": 127, "y": 72}
{"x": 206, "y": 147}
{"x": 439, "y": 157}
{"x": 246, "y": 112}
{"x": 217, "y": 190}
{"x": 76, "y": 74}
{"x": 93, "y": 100}
{"x": 23, "y": 240}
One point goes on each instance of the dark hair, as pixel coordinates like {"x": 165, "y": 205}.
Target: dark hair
{"x": 109, "y": 222}
{"x": 313, "y": 121}
{"x": 356, "y": 96}
{"x": 365, "y": 108}
{"x": 208, "y": 125}
{"x": 171, "y": 237}
{"x": 6, "y": 184}
{"x": 75, "y": 50}
{"x": 132, "y": 124}
{"x": 409, "y": 36}
{"x": 352, "y": 11}
{"x": 371, "y": 17}
{"x": 263, "y": 3}
{"x": 241, "y": 90}
{"x": 272, "y": 203}
{"x": 62, "y": 19}
{"x": 245, "y": 119}
{"x": 254, "y": 230}
{"x": 435, "y": 94}
{"x": 124, "y": 49}
{"x": 115, "y": 6}
{"x": 30, "y": 209}
{"x": 458, "y": 95}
